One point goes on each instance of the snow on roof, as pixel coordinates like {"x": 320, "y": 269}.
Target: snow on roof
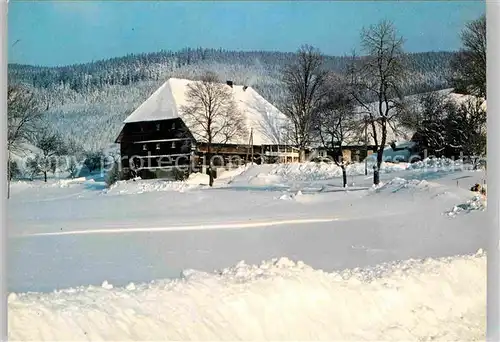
{"x": 260, "y": 115}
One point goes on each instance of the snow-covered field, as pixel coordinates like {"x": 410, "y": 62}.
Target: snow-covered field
{"x": 363, "y": 281}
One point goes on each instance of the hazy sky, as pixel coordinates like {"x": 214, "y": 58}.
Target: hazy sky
{"x": 58, "y": 33}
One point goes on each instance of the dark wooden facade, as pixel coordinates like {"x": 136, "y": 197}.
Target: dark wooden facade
{"x": 149, "y": 146}
{"x": 351, "y": 153}
{"x": 152, "y": 149}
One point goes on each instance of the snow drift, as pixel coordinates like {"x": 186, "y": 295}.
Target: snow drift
{"x": 312, "y": 171}
{"x": 139, "y": 186}
{"x": 194, "y": 181}
{"x": 443, "y": 299}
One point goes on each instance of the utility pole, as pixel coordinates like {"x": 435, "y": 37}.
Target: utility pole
{"x": 251, "y": 141}
{"x": 250, "y": 146}
{"x": 366, "y": 146}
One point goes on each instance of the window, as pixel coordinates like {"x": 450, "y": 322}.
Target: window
{"x": 144, "y": 147}
{"x": 173, "y": 144}
{"x": 157, "y": 126}
{"x": 158, "y": 146}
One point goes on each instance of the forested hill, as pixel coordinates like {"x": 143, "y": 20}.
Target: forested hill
{"x": 153, "y": 66}
{"x": 88, "y": 102}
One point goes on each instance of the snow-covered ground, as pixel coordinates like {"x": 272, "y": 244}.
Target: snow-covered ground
{"x": 69, "y": 235}
{"x": 278, "y": 300}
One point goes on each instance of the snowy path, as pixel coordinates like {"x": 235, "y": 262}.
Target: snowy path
{"x": 46, "y": 262}
{"x": 235, "y": 225}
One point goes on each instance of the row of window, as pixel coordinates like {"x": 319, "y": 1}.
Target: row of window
{"x": 158, "y": 127}
{"x": 145, "y": 146}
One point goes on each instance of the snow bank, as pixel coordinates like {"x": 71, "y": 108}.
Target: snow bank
{"x": 477, "y": 202}
{"x": 311, "y": 171}
{"x": 195, "y": 181}
{"x": 414, "y": 300}
{"x": 139, "y": 186}
{"x": 142, "y": 186}
{"x": 397, "y": 184}
{"x": 232, "y": 173}
{"x": 444, "y": 164}
{"x": 63, "y": 183}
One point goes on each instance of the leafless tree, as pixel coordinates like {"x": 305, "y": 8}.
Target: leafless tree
{"x": 212, "y": 115}
{"x": 51, "y": 146}
{"x": 379, "y": 76}
{"x": 304, "y": 82}
{"x": 336, "y": 123}
{"x": 24, "y": 114}
{"x": 469, "y": 65}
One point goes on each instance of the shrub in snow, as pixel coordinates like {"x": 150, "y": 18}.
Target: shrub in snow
{"x": 179, "y": 174}
{"x": 114, "y": 175}
{"x": 72, "y": 168}
{"x": 94, "y": 160}
{"x": 14, "y": 170}
{"x": 32, "y": 167}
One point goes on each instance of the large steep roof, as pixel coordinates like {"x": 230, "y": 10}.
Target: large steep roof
{"x": 260, "y": 116}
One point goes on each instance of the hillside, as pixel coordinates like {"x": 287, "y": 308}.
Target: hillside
{"x": 88, "y": 102}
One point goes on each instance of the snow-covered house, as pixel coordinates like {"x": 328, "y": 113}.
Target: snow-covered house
{"x": 360, "y": 143}
{"x": 398, "y": 146}
{"x": 155, "y": 138}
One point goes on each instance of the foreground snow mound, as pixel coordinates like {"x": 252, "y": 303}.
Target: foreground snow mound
{"x": 278, "y": 300}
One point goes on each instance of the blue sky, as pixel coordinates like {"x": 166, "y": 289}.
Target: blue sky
{"x": 60, "y": 33}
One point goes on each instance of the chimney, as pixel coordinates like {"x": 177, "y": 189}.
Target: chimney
{"x": 245, "y": 88}
{"x": 229, "y": 83}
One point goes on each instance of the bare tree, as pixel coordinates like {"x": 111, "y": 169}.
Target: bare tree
{"x": 336, "y": 124}
{"x": 304, "y": 81}
{"x": 24, "y": 113}
{"x": 469, "y": 65}
{"x": 379, "y": 76}
{"x": 212, "y": 115}
{"x": 50, "y": 146}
